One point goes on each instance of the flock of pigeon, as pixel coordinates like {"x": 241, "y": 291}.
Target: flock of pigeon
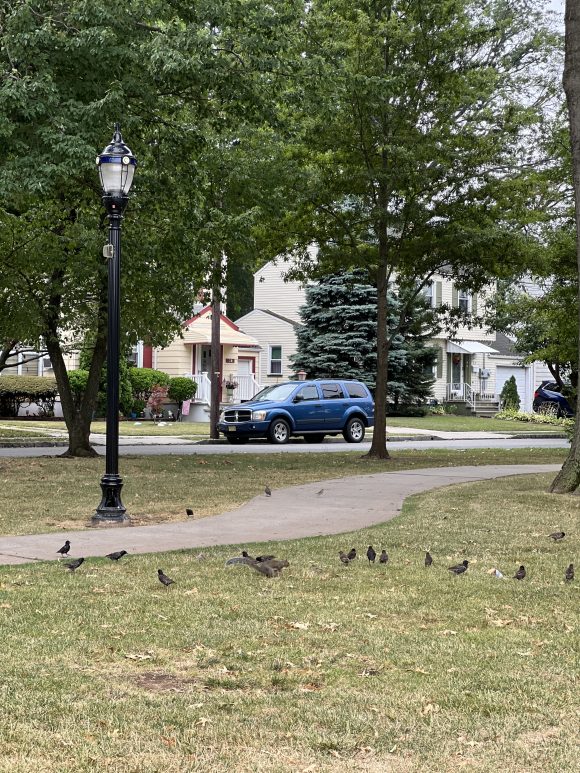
{"x": 270, "y": 566}
{"x": 457, "y": 569}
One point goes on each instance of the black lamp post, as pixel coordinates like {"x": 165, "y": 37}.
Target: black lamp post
{"x": 116, "y": 169}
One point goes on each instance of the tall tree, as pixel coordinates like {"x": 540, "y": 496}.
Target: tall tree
{"x": 338, "y": 337}
{"x": 568, "y": 479}
{"x": 415, "y": 143}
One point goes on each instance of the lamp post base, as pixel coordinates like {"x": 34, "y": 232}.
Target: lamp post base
{"x": 111, "y": 511}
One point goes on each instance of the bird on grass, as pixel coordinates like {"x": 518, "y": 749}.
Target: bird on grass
{"x": 64, "y": 549}
{"x": 74, "y": 564}
{"x": 189, "y": 512}
{"x": 268, "y": 571}
{"x": 343, "y": 557}
{"x": 268, "y": 491}
{"x": 245, "y": 554}
{"x": 260, "y": 559}
{"x": 557, "y": 535}
{"x": 569, "y": 576}
{"x": 116, "y": 556}
{"x": 459, "y": 568}
{"x": 371, "y": 554}
{"x": 384, "y": 557}
{"x": 163, "y": 578}
{"x": 521, "y": 573}
{"x": 351, "y": 555}
{"x": 428, "y": 558}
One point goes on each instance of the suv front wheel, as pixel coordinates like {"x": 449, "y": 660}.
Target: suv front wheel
{"x": 279, "y": 432}
{"x": 354, "y": 430}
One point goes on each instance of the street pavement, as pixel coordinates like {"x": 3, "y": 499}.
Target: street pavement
{"x": 136, "y": 448}
{"x": 314, "y": 509}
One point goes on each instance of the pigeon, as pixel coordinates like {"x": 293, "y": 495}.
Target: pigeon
{"x": 245, "y": 554}
{"x": 521, "y": 573}
{"x": 371, "y": 554}
{"x": 268, "y": 491}
{"x": 383, "y": 558}
{"x": 428, "y": 558}
{"x": 557, "y": 535}
{"x": 260, "y": 559}
{"x": 276, "y": 563}
{"x": 351, "y": 555}
{"x": 163, "y": 578}
{"x": 64, "y": 549}
{"x": 343, "y": 557}
{"x": 569, "y": 576}
{"x": 116, "y": 556}
{"x": 459, "y": 568}
{"x": 240, "y": 560}
{"x": 189, "y": 512}
{"x": 319, "y": 493}
{"x": 74, "y": 564}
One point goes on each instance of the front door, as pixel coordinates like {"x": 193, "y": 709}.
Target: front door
{"x": 307, "y": 410}
{"x": 334, "y": 404}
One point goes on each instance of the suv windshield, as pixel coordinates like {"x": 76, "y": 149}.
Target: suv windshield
{"x": 276, "y": 393}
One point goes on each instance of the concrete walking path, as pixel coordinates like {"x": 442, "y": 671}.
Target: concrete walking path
{"x": 345, "y": 504}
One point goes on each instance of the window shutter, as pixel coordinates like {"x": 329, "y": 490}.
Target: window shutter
{"x": 474, "y": 304}
{"x": 455, "y": 297}
{"x": 440, "y": 363}
{"x": 438, "y": 293}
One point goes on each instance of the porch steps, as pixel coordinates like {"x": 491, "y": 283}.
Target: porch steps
{"x": 485, "y": 408}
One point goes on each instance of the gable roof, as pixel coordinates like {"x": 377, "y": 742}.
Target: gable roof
{"x": 197, "y": 330}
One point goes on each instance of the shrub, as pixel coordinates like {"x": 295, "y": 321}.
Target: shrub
{"x": 78, "y": 383}
{"x": 444, "y": 409}
{"x": 144, "y": 379}
{"x": 407, "y": 410}
{"x": 156, "y": 399}
{"x": 19, "y": 391}
{"x": 512, "y": 414}
{"x": 181, "y": 388}
{"x": 509, "y": 397}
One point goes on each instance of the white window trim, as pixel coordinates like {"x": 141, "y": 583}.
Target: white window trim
{"x": 270, "y": 347}
{"x": 429, "y": 293}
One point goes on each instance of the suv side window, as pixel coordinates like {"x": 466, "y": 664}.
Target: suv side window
{"x": 332, "y": 391}
{"x": 307, "y": 393}
{"x": 356, "y": 390}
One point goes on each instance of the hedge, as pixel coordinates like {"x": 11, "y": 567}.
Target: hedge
{"x": 19, "y": 391}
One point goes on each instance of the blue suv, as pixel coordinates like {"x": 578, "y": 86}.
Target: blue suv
{"x": 312, "y": 409}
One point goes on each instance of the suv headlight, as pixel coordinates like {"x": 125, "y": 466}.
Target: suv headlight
{"x": 222, "y": 417}
{"x": 259, "y": 415}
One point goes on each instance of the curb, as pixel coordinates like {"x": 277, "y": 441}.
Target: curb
{"x": 32, "y": 443}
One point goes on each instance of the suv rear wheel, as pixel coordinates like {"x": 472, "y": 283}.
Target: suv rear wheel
{"x": 354, "y": 430}
{"x": 279, "y": 432}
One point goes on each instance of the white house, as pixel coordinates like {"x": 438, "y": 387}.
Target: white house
{"x": 472, "y": 366}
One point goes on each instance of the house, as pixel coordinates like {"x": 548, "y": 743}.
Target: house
{"x": 472, "y": 365}
{"x": 190, "y": 355}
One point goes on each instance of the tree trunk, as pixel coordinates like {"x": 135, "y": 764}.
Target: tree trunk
{"x": 6, "y": 351}
{"x": 77, "y": 419}
{"x": 214, "y": 409}
{"x": 378, "y": 449}
{"x": 568, "y": 479}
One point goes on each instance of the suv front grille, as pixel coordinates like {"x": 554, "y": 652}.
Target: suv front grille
{"x": 237, "y": 416}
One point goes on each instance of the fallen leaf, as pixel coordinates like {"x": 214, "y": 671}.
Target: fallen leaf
{"x": 138, "y": 656}
{"x": 5, "y": 606}
{"x": 448, "y": 632}
{"x": 203, "y": 721}
{"x": 300, "y": 626}
{"x": 190, "y": 592}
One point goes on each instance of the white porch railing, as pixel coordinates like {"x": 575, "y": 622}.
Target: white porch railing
{"x": 247, "y": 387}
{"x": 203, "y": 387}
{"x": 461, "y": 392}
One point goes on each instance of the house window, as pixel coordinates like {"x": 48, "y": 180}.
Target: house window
{"x": 428, "y": 294}
{"x": 464, "y": 300}
{"x": 275, "y": 368}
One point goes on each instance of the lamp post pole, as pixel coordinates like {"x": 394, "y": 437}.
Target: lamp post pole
{"x": 116, "y": 166}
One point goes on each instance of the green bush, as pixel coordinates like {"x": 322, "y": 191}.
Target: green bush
{"x": 511, "y": 414}
{"x": 509, "y": 397}
{"x": 408, "y": 411}
{"x": 78, "y": 383}
{"x": 18, "y": 391}
{"x": 144, "y": 379}
{"x": 443, "y": 409}
{"x": 181, "y": 388}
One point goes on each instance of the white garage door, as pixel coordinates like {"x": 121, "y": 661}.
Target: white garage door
{"x": 505, "y": 372}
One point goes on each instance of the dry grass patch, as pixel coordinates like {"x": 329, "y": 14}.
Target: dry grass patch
{"x": 54, "y": 493}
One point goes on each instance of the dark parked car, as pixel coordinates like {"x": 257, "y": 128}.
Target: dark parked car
{"x": 312, "y": 409}
{"x": 549, "y": 394}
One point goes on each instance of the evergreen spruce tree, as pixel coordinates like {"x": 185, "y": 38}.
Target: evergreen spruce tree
{"x": 510, "y": 398}
{"x": 338, "y": 338}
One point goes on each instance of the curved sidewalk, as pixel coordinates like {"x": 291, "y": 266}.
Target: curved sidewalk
{"x": 346, "y": 504}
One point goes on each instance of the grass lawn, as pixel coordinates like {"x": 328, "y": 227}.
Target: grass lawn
{"x": 126, "y": 428}
{"x": 16, "y": 433}
{"x": 469, "y": 424}
{"x": 329, "y": 668}
{"x": 51, "y": 493}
